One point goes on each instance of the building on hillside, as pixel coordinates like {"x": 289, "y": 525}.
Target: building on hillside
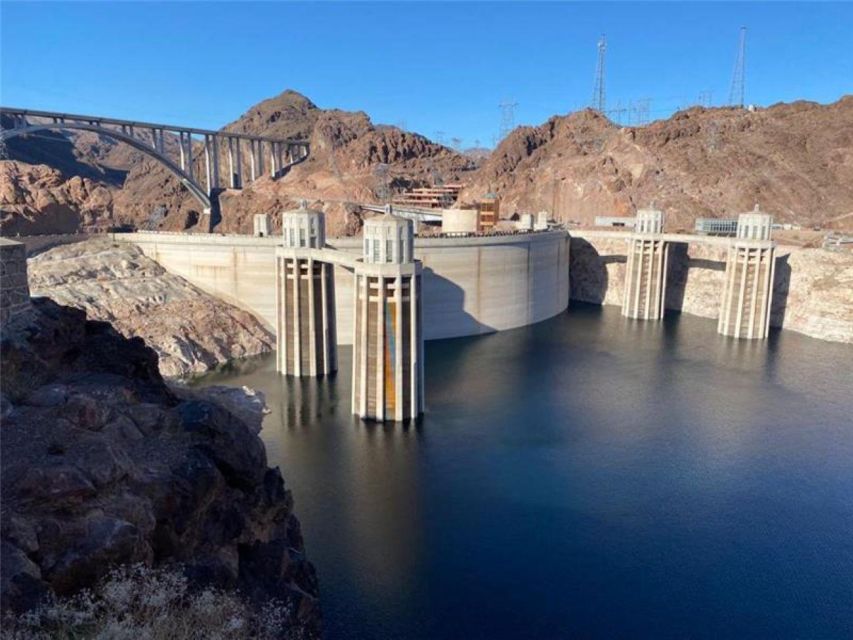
{"x": 437, "y": 197}
{"x": 489, "y": 207}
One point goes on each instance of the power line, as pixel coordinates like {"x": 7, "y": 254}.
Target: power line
{"x": 599, "y": 102}
{"x": 507, "y": 108}
{"x": 737, "y": 90}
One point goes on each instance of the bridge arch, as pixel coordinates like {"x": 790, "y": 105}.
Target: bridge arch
{"x": 192, "y": 186}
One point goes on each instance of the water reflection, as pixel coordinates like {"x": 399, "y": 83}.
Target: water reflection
{"x": 648, "y": 474}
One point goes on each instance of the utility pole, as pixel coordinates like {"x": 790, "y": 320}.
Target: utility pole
{"x": 737, "y": 90}
{"x": 599, "y": 102}
{"x": 507, "y": 108}
{"x": 705, "y": 98}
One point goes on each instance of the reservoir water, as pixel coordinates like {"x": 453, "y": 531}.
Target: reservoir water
{"x": 589, "y": 476}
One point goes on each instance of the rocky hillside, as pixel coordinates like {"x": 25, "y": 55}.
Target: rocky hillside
{"x": 104, "y": 465}
{"x": 796, "y": 160}
{"x": 351, "y": 160}
{"x": 190, "y": 331}
{"x": 39, "y": 199}
{"x": 348, "y": 156}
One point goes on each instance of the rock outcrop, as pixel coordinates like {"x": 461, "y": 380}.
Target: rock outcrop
{"x": 191, "y": 331}
{"x": 104, "y": 465}
{"x": 795, "y": 159}
{"x": 37, "y": 199}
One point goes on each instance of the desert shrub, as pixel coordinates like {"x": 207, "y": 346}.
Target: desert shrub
{"x": 139, "y": 603}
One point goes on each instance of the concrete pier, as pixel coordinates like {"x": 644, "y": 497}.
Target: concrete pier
{"x": 306, "y": 342}
{"x": 645, "y": 269}
{"x": 388, "y": 362}
{"x": 261, "y": 225}
{"x": 748, "y": 283}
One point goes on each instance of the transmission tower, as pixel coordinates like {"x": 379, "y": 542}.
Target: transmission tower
{"x": 639, "y": 111}
{"x": 599, "y": 102}
{"x": 507, "y": 108}
{"x": 736, "y": 93}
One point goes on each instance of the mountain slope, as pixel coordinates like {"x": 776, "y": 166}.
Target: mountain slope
{"x": 796, "y": 160}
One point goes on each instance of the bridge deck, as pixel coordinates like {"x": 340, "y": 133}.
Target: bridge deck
{"x": 35, "y": 113}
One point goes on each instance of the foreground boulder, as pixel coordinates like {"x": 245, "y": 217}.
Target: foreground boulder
{"x": 103, "y": 465}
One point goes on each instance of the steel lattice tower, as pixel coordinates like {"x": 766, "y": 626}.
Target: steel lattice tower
{"x": 599, "y": 102}
{"x": 737, "y": 91}
{"x": 507, "y": 108}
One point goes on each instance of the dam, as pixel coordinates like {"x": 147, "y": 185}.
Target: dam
{"x": 483, "y": 283}
{"x": 471, "y": 285}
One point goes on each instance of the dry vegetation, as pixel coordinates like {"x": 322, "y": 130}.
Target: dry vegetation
{"x": 138, "y": 603}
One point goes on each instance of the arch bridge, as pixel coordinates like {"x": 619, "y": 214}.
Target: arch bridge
{"x": 275, "y": 155}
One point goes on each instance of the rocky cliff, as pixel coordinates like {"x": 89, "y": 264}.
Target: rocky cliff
{"x": 813, "y": 288}
{"x": 191, "y": 331}
{"x": 37, "y": 199}
{"x": 104, "y": 465}
{"x": 795, "y": 159}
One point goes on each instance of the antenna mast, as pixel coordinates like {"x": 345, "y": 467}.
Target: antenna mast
{"x": 598, "y": 93}
{"x": 737, "y": 90}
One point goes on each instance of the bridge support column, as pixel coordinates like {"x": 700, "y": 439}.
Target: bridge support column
{"x": 260, "y": 151}
{"x": 216, "y": 174}
{"x": 207, "y": 164}
{"x": 748, "y": 283}
{"x": 273, "y": 159}
{"x": 646, "y": 268}
{"x": 253, "y": 156}
{"x": 237, "y": 143}
{"x": 181, "y": 143}
{"x": 306, "y": 339}
{"x": 233, "y": 175}
{"x": 388, "y": 338}
{"x": 190, "y": 169}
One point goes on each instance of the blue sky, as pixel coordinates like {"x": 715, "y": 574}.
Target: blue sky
{"x": 428, "y": 66}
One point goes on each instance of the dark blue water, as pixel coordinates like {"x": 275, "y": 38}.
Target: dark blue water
{"x": 589, "y": 477}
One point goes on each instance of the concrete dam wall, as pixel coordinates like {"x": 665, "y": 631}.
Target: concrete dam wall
{"x": 470, "y": 285}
